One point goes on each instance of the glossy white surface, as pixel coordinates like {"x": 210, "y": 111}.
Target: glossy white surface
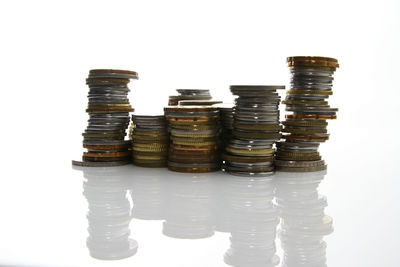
{"x": 47, "y": 48}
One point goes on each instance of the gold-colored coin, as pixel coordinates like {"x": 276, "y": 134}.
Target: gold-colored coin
{"x": 148, "y": 157}
{"x": 150, "y": 149}
{"x": 250, "y": 151}
{"x": 193, "y": 148}
{"x": 107, "y": 154}
{"x": 190, "y": 142}
{"x": 195, "y": 135}
{"x": 150, "y": 145}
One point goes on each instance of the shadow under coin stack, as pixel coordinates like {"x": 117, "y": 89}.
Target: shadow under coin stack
{"x": 108, "y": 118}
{"x": 149, "y": 141}
{"x": 305, "y": 128}
{"x": 256, "y": 128}
{"x": 194, "y": 137}
{"x": 189, "y": 94}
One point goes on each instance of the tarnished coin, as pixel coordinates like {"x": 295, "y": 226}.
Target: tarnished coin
{"x": 301, "y": 169}
{"x": 113, "y": 73}
{"x": 299, "y": 164}
{"x": 99, "y": 164}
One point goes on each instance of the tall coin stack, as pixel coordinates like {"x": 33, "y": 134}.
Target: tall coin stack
{"x": 149, "y": 141}
{"x": 305, "y": 128}
{"x": 189, "y": 94}
{"x": 108, "y": 118}
{"x": 194, "y": 137}
{"x": 256, "y": 128}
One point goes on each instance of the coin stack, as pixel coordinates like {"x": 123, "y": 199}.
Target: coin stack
{"x": 305, "y": 128}
{"x": 256, "y": 128}
{"x": 194, "y": 137}
{"x": 149, "y": 141}
{"x": 189, "y": 94}
{"x": 108, "y": 118}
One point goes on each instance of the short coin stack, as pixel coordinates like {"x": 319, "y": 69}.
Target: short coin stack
{"x": 194, "y": 137}
{"x": 256, "y": 129}
{"x": 149, "y": 141}
{"x": 305, "y": 128}
{"x": 189, "y": 94}
{"x": 108, "y": 118}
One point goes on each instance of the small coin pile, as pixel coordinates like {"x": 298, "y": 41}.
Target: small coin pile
{"x": 305, "y": 128}
{"x": 149, "y": 141}
{"x": 256, "y": 128}
{"x": 194, "y": 138}
{"x": 108, "y": 118}
{"x": 189, "y": 94}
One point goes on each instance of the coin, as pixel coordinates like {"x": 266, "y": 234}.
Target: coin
{"x": 99, "y": 164}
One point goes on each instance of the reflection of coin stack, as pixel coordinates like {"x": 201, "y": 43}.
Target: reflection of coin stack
{"x": 305, "y": 128}
{"x": 189, "y": 94}
{"x": 109, "y": 213}
{"x": 108, "y": 118}
{"x": 147, "y": 194}
{"x": 254, "y": 221}
{"x": 150, "y": 141}
{"x": 256, "y": 129}
{"x": 188, "y": 207}
{"x": 194, "y": 137}
{"x": 304, "y": 223}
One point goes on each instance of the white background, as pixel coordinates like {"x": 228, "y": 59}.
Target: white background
{"x": 48, "y": 47}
